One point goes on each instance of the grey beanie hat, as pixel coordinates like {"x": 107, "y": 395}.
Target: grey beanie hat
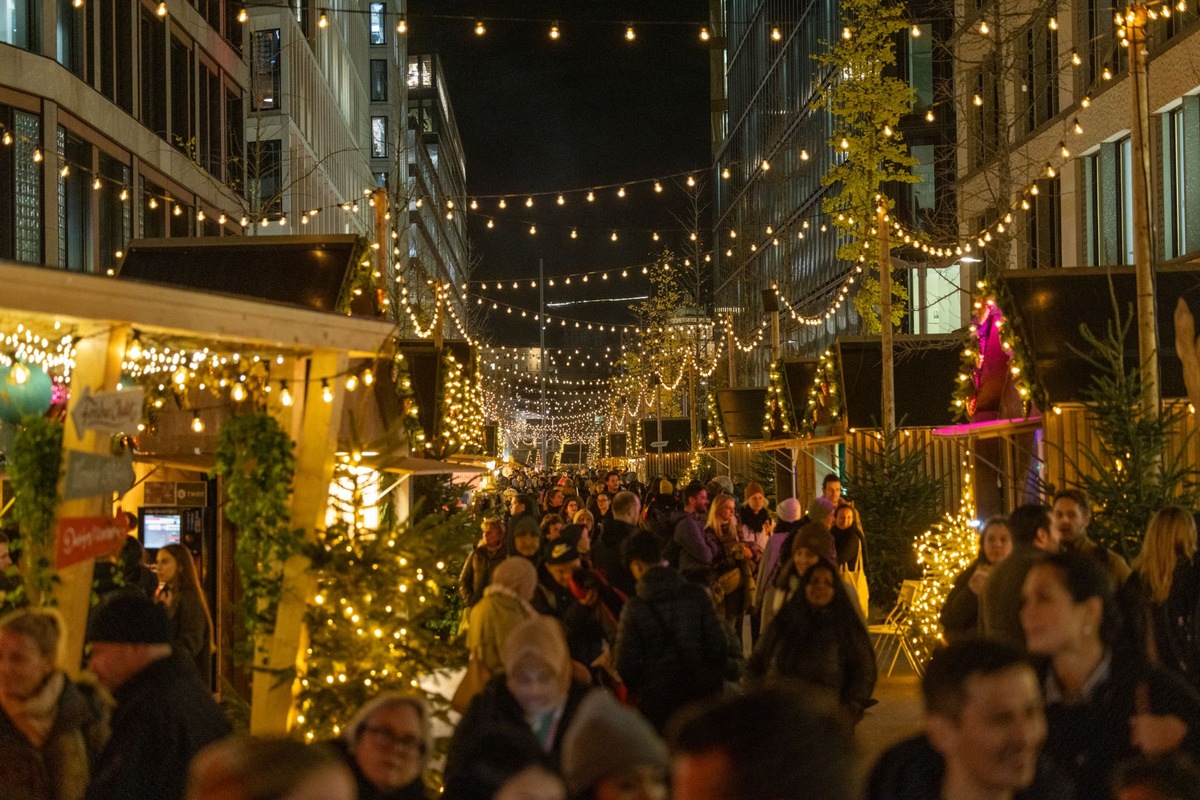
{"x": 607, "y": 739}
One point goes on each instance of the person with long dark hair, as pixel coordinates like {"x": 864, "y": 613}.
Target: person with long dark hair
{"x": 180, "y": 592}
{"x": 818, "y": 642}
{"x": 960, "y": 612}
{"x": 1104, "y": 702}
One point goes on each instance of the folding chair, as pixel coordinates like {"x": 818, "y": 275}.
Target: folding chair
{"x": 891, "y": 635}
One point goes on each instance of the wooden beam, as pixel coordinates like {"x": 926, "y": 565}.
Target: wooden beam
{"x": 271, "y": 701}
{"x": 98, "y": 368}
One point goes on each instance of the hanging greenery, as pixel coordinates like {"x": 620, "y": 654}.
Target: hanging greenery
{"x": 411, "y": 416}
{"x": 716, "y": 425}
{"x": 824, "y": 396}
{"x": 866, "y": 101}
{"x": 777, "y": 419}
{"x": 34, "y": 467}
{"x": 254, "y": 456}
{"x": 362, "y": 279}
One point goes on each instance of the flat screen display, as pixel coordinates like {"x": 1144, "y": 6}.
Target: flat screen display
{"x": 161, "y": 529}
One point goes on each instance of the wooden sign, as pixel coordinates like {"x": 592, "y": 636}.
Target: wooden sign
{"x": 83, "y": 538}
{"x": 89, "y": 475}
{"x": 108, "y": 412}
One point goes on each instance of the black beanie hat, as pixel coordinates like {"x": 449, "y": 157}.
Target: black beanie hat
{"x": 130, "y": 618}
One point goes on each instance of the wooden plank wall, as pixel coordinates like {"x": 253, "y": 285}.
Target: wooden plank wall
{"x": 944, "y": 457}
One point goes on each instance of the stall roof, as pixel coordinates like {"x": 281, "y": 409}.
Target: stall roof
{"x": 925, "y": 367}
{"x": 75, "y": 298}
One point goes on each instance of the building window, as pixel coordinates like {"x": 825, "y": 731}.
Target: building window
{"x": 19, "y": 24}
{"x": 985, "y": 121}
{"x": 1039, "y": 52}
{"x": 73, "y": 39}
{"x": 381, "y": 180}
{"x": 1093, "y": 216}
{"x": 265, "y": 178}
{"x": 379, "y": 80}
{"x": 1125, "y": 200}
{"x": 208, "y": 127}
{"x": 74, "y": 204}
{"x": 182, "y": 92}
{"x": 377, "y": 24}
{"x": 115, "y": 216}
{"x": 920, "y": 64}
{"x": 20, "y": 188}
{"x": 154, "y": 63}
{"x": 116, "y": 63}
{"x": 1043, "y": 226}
{"x": 923, "y": 194}
{"x": 379, "y": 137}
{"x": 1175, "y": 172}
{"x": 265, "y": 70}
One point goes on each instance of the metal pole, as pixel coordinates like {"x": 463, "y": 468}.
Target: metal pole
{"x": 1139, "y": 142}
{"x": 542, "y": 356}
{"x": 888, "y": 399}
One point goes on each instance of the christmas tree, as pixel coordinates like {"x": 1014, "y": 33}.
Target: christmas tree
{"x": 373, "y": 623}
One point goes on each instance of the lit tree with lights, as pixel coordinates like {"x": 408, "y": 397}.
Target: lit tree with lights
{"x": 373, "y": 621}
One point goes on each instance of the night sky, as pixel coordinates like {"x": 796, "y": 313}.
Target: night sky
{"x": 591, "y": 108}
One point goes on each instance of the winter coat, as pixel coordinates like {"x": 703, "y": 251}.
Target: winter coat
{"x": 495, "y": 710}
{"x": 592, "y": 628}
{"x": 61, "y": 767}
{"x": 847, "y": 544}
{"x": 477, "y": 573}
{"x": 1000, "y": 602}
{"x": 752, "y": 527}
{"x": 164, "y": 716}
{"x": 551, "y": 597}
{"x": 525, "y": 522}
{"x": 825, "y": 649}
{"x": 913, "y": 770}
{"x": 960, "y": 611}
{"x": 1088, "y": 739}
{"x": 367, "y": 790}
{"x": 768, "y": 569}
{"x": 1169, "y": 627}
{"x": 606, "y": 555}
{"x": 699, "y": 550}
{"x": 190, "y": 633}
{"x": 491, "y": 619}
{"x": 670, "y": 646}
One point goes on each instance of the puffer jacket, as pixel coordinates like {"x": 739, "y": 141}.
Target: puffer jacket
{"x": 670, "y": 646}
{"x": 61, "y": 768}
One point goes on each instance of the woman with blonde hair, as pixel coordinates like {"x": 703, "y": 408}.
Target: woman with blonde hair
{"x": 734, "y": 556}
{"x": 51, "y": 728}
{"x": 1159, "y": 599}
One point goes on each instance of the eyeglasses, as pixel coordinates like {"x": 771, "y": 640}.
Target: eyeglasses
{"x": 388, "y": 738}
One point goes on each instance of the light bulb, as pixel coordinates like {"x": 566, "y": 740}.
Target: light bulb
{"x": 846, "y": 34}
{"x": 629, "y": 34}
{"x": 323, "y": 22}
{"x": 153, "y": 204}
{"x": 238, "y": 393}
{"x": 503, "y": 203}
{"x": 7, "y": 138}
{"x": 984, "y": 29}
{"x": 368, "y": 377}
{"x": 402, "y": 26}
{"x": 479, "y": 29}
{"x": 554, "y": 34}
{"x": 161, "y": 10}
{"x": 591, "y": 197}
{"x": 574, "y": 234}
{"x": 614, "y": 238}
{"x": 1078, "y": 128}
{"x": 776, "y": 34}
{"x": 243, "y": 16}
{"x": 1062, "y": 148}
{"x": 1053, "y": 23}
{"x": 134, "y": 351}
{"x": 929, "y": 115}
{"x": 37, "y": 156}
{"x": 96, "y": 184}
{"x": 705, "y": 35}
{"x": 562, "y": 200}
{"x": 326, "y": 392}
{"x": 657, "y": 186}
{"x": 19, "y": 374}
{"x": 285, "y": 396}
{"x": 491, "y": 223}
{"x": 177, "y": 211}
{"x": 766, "y": 165}
{"x": 916, "y": 31}
{"x": 197, "y": 423}
{"x": 1076, "y": 60}
{"x": 529, "y": 202}
{"x": 532, "y": 229}
{"x": 725, "y": 173}
{"x": 621, "y": 192}
{"x": 65, "y": 171}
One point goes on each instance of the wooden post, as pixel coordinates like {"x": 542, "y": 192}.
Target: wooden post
{"x": 382, "y": 260}
{"x": 888, "y": 399}
{"x": 98, "y": 368}
{"x": 271, "y": 700}
{"x": 1139, "y": 137}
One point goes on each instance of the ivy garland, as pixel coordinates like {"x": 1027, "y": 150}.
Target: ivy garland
{"x": 990, "y": 303}
{"x": 254, "y": 456}
{"x": 34, "y": 466}
{"x": 717, "y": 433}
{"x": 361, "y": 278}
{"x": 411, "y": 417}
{"x": 825, "y": 394}
{"x": 777, "y": 419}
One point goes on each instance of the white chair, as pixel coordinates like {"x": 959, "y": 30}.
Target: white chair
{"x": 891, "y": 635}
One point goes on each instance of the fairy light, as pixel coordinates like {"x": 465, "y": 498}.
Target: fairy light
{"x": 554, "y": 34}
{"x": 197, "y": 423}
{"x": 480, "y": 30}
{"x": 630, "y": 35}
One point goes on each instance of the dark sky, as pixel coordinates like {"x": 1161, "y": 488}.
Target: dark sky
{"x": 537, "y": 115}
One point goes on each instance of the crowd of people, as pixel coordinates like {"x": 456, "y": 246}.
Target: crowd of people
{"x": 685, "y": 642}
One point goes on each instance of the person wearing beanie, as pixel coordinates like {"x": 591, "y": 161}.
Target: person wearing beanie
{"x": 505, "y": 605}
{"x": 535, "y": 699}
{"x": 553, "y": 594}
{"x": 164, "y": 714}
{"x": 808, "y": 545}
{"x": 611, "y": 751}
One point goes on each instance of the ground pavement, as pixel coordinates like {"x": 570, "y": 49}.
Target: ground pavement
{"x": 897, "y": 716}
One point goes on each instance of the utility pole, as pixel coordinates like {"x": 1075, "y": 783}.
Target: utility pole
{"x": 542, "y": 357}
{"x": 1139, "y": 140}
{"x": 888, "y": 398}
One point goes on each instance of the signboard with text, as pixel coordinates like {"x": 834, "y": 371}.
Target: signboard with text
{"x": 82, "y": 538}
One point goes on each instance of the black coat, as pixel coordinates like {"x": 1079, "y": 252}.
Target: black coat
{"x": 960, "y": 611}
{"x": 826, "y": 649}
{"x": 913, "y": 770}
{"x": 606, "y": 555}
{"x": 1088, "y": 740}
{"x": 670, "y": 647}
{"x": 164, "y": 716}
{"x": 1173, "y": 627}
{"x": 495, "y": 710}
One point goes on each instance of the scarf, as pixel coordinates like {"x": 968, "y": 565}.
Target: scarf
{"x": 496, "y": 588}
{"x": 34, "y": 716}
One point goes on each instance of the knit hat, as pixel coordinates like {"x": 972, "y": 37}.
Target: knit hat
{"x": 752, "y": 488}
{"x": 821, "y": 508}
{"x": 562, "y": 553}
{"x": 789, "y": 510}
{"x": 130, "y": 618}
{"x": 607, "y": 739}
{"x": 665, "y": 487}
{"x": 518, "y": 574}
{"x": 815, "y": 538}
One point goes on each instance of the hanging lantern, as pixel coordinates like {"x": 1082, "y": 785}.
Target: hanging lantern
{"x": 25, "y": 391}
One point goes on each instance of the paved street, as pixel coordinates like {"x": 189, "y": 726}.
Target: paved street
{"x": 897, "y": 716}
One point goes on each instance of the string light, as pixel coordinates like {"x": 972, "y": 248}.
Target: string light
{"x": 197, "y": 423}
{"x": 554, "y": 34}
{"x": 629, "y": 34}
{"x": 402, "y": 26}
{"x": 480, "y": 30}
{"x": 704, "y": 35}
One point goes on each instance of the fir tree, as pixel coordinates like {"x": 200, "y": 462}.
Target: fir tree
{"x": 866, "y": 103}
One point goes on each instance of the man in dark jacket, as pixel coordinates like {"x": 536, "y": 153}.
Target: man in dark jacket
{"x": 523, "y": 509}
{"x": 670, "y": 647}
{"x": 1033, "y": 536}
{"x": 606, "y": 551}
{"x": 164, "y": 715}
{"x": 697, "y": 551}
{"x": 985, "y": 728}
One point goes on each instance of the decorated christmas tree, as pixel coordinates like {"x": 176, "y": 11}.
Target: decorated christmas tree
{"x": 373, "y": 624}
